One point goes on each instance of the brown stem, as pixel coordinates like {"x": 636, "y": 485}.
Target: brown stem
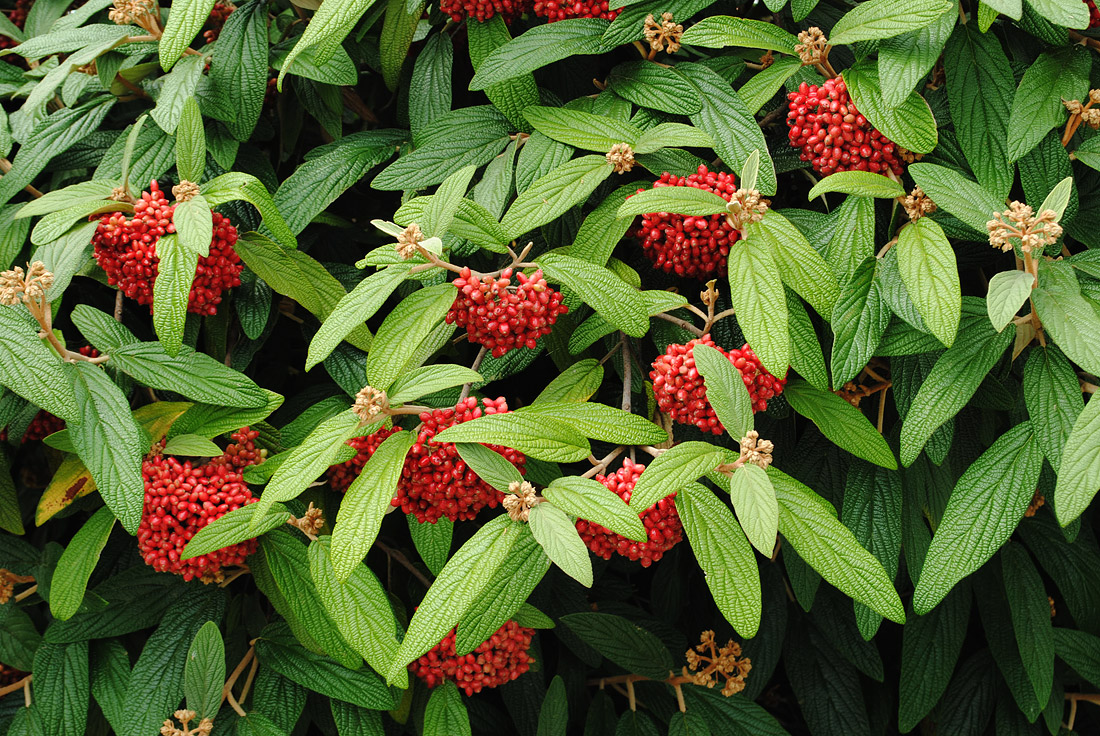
{"x": 400, "y": 558}
{"x": 682, "y": 323}
{"x": 227, "y": 689}
{"x": 601, "y": 465}
{"x": 474, "y": 367}
{"x": 628, "y": 367}
{"x": 242, "y": 570}
{"x": 5, "y": 167}
{"x": 27, "y": 593}
{"x": 408, "y": 409}
{"x": 14, "y": 686}
{"x": 248, "y": 680}
{"x": 610, "y": 353}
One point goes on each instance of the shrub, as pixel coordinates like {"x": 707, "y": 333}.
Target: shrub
{"x": 549, "y": 368}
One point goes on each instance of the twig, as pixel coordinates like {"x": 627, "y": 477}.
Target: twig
{"x": 227, "y": 689}
{"x": 628, "y": 367}
{"x": 118, "y": 305}
{"x": 27, "y": 593}
{"x": 248, "y": 680}
{"x": 5, "y": 167}
{"x": 681, "y": 323}
{"x": 601, "y": 465}
{"x": 15, "y": 686}
{"x": 680, "y": 697}
{"x": 1089, "y": 388}
{"x": 613, "y": 350}
{"x": 474, "y": 367}
{"x": 400, "y": 558}
{"x": 242, "y": 570}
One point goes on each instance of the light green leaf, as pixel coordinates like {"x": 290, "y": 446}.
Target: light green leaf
{"x": 1079, "y": 471}
{"x": 763, "y": 85}
{"x": 445, "y": 714}
{"x": 1062, "y": 13}
{"x": 842, "y": 423}
{"x": 538, "y": 436}
{"x": 31, "y": 369}
{"x": 190, "y": 142}
{"x": 664, "y": 135}
{"x": 1058, "y": 198}
{"x": 402, "y": 332}
{"x": 680, "y": 200}
{"x": 910, "y": 124}
{"x": 757, "y": 295}
{"x": 576, "y": 383}
{"x": 204, "y": 672}
{"x": 191, "y": 445}
{"x": 859, "y": 320}
{"x": 1059, "y": 74}
{"x": 193, "y": 374}
{"x": 561, "y": 541}
{"x": 489, "y": 465}
{"x": 718, "y": 31}
{"x": 885, "y": 18}
{"x": 984, "y": 508}
{"x": 655, "y": 86}
{"x": 595, "y": 502}
{"x": 553, "y": 194}
{"x": 1008, "y": 290}
{"x": 927, "y": 265}
{"x": 861, "y": 183}
{"x": 1052, "y": 394}
{"x": 1067, "y": 316}
{"x": 233, "y": 528}
{"x": 77, "y": 563}
{"x": 238, "y": 186}
{"x": 726, "y": 390}
{"x": 903, "y": 61}
{"x": 185, "y": 18}
{"x": 757, "y": 508}
{"x": 327, "y": 30}
{"x": 582, "y": 129}
{"x": 172, "y": 289}
{"x": 601, "y": 422}
{"x": 614, "y": 299}
{"x": 538, "y": 47}
{"x": 673, "y": 469}
{"x": 801, "y": 267}
{"x": 428, "y": 379}
{"x": 728, "y": 563}
{"x": 445, "y": 203}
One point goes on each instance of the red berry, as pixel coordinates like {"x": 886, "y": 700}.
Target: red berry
{"x": 554, "y": 10}
{"x": 218, "y": 15}
{"x": 697, "y": 247}
{"x": 499, "y": 659}
{"x": 1094, "y": 14}
{"x": 126, "y": 249}
{"x": 832, "y": 134}
{"x": 680, "y": 391}
{"x": 180, "y": 499}
{"x": 483, "y": 10}
{"x": 341, "y": 476}
{"x": 661, "y": 522}
{"x": 502, "y": 316}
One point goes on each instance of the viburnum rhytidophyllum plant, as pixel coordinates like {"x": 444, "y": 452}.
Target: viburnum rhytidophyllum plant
{"x": 566, "y": 332}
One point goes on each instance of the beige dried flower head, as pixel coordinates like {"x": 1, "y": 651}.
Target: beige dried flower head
{"x": 8, "y": 581}
{"x": 746, "y": 206}
{"x": 310, "y": 523}
{"x": 185, "y": 190}
{"x": 409, "y": 240}
{"x": 709, "y": 296}
{"x": 185, "y": 717}
{"x": 811, "y": 46}
{"x": 11, "y": 286}
{"x": 119, "y": 194}
{"x": 1038, "y": 500}
{"x": 767, "y": 59}
{"x": 707, "y": 662}
{"x": 1091, "y": 117}
{"x": 130, "y": 11}
{"x": 917, "y": 204}
{"x": 621, "y": 157}
{"x": 1053, "y": 610}
{"x": 1019, "y": 222}
{"x": 756, "y": 451}
{"x": 1073, "y": 106}
{"x": 30, "y": 286}
{"x": 908, "y": 156}
{"x": 369, "y": 403}
{"x": 1094, "y": 96}
{"x": 853, "y": 393}
{"x": 519, "y": 500}
{"x": 663, "y": 33}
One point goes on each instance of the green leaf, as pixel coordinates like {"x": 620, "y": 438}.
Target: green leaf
{"x": 358, "y": 606}
{"x": 445, "y": 714}
{"x": 172, "y": 288}
{"x": 810, "y": 525}
{"x": 402, "y": 332}
{"x": 623, "y": 642}
{"x": 327, "y": 30}
{"x": 614, "y": 299}
{"x": 354, "y": 309}
{"x": 581, "y": 129}
{"x": 445, "y": 203}
{"x": 954, "y": 378}
{"x": 1080, "y": 650}
{"x": 757, "y": 509}
{"x": 1059, "y": 74}
{"x": 431, "y": 82}
{"x": 859, "y": 320}
{"x": 366, "y": 502}
{"x": 554, "y": 713}
{"x": 61, "y": 687}
{"x": 984, "y": 508}
{"x": 601, "y": 422}
{"x": 655, "y": 86}
{"x": 1067, "y": 316}
{"x": 31, "y": 369}
{"x": 398, "y": 31}
{"x": 842, "y": 423}
{"x": 910, "y": 124}
{"x": 559, "y": 538}
{"x": 1058, "y": 198}
{"x": 428, "y": 379}
{"x": 860, "y": 183}
{"x": 489, "y": 465}
{"x": 472, "y": 222}
{"x": 239, "y": 66}
{"x": 1030, "y": 612}
{"x": 578, "y": 382}
{"x": 539, "y": 47}
{"x": 725, "y": 389}
{"x": 728, "y": 563}
{"x": 514, "y": 95}
{"x": 84, "y": 192}
{"x": 729, "y": 123}
{"x": 465, "y": 576}
{"x": 956, "y": 194}
{"x": 77, "y": 562}
{"x": 980, "y": 88}
{"x": 538, "y": 436}
{"x": 191, "y": 445}
{"x": 680, "y": 200}
{"x": 204, "y": 672}
{"x": 109, "y": 441}
{"x": 806, "y": 355}
{"x": 190, "y": 142}
{"x": 673, "y": 469}
{"x": 665, "y": 135}
{"x": 555, "y": 193}
{"x": 209, "y": 421}
{"x": 233, "y": 528}
{"x": 1079, "y": 471}
{"x": 1008, "y": 290}
{"x": 927, "y": 265}
{"x": 195, "y": 375}
{"x": 306, "y": 462}
{"x": 593, "y": 501}
{"x": 184, "y": 21}
{"x": 237, "y": 186}
{"x": 718, "y": 31}
{"x": 930, "y": 646}
{"x": 763, "y": 85}
{"x": 757, "y": 295}
{"x": 1052, "y": 393}
{"x": 1067, "y": 14}
{"x": 885, "y": 18}
{"x": 904, "y": 60}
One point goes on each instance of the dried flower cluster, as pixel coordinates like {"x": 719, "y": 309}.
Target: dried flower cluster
{"x": 811, "y": 46}
{"x": 707, "y": 662}
{"x": 917, "y": 204}
{"x": 203, "y": 728}
{"x": 519, "y": 500}
{"x": 755, "y": 451}
{"x": 746, "y": 206}
{"x": 408, "y": 241}
{"x": 8, "y": 581}
{"x": 126, "y": 12}
{"x": 1020, "y": 223}
{"x": 664, "y": 34}
{"x": 621, "y": 157}
{"x": 369, "y": 403}
{"x": 27, "y": 287}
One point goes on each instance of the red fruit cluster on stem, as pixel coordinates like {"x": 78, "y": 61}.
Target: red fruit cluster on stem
{"x": 126, "y": 249}
{"x": 501, "y": 658}
{"x": 554, "y": 10}
{"x": 501, "y": 316}
{"x": 661, "y": 522}
{"x": 218, "y": 15}
{"x": 483, "y": 10}
{"x": 697, "y": 247}
{"x": 1094, "y": 14}
{"x": 341, "y": 476}
{"x": 833, "y": 135}
{"x": 681, "y": 393}
{"x": 181, "y": 498}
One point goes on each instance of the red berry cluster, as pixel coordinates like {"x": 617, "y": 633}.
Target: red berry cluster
{"x": 661, "y": 522}
{"x": 500, "y": 659}
{"x": 503, "y": 317}
{"x": 680, "y": 391}
{"x": 341, "y": 476}
{"x": 690, "y": 246}
{"x": 1094, "y": 14}
{"x": 126, "y": 248}
{"x": 436, "y": 481}
{"x": 554, "y": 10}
{"x": 483, "y": 10}
{"x": 180, "y": 499}
{"x": 18, "y": 17}
{"x": 833, "y": 135}
{"x": 218, "y": 15}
